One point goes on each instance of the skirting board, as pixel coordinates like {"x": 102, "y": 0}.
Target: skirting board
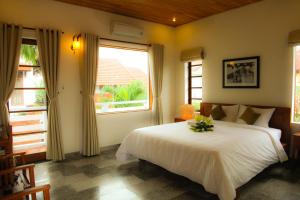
{"x": 77, "y": 154}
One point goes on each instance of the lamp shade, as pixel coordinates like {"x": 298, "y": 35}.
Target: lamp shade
{"x": 187, "y": 111}
{"x": 76, "y": 45}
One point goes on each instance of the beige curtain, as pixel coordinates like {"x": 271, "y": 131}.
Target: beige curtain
{"x": 88, "y": 72}
{"x": 10, "y": 43}
{"x": 49, "y": 55}
{"x": 156, "y": 61}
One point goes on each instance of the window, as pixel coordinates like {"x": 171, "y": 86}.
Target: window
{"x": 28, "y": 103}
{"x": 296, "y": 96}
{"x": 194, "y": 83}
{"x": 122, "y": 80}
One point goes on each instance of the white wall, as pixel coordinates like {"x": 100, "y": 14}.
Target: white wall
{"x": 73, "y": 19}
{"x": 260, "y": 29}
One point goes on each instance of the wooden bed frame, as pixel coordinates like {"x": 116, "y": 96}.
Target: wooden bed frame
{"x": 281, "y": 119}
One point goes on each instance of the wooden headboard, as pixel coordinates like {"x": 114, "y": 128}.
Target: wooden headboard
{"x": 281, "y": 118}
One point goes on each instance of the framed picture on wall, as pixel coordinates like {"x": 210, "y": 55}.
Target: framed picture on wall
{"x": 241, "y": 72}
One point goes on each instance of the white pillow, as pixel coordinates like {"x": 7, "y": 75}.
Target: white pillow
{"x": 241, "y": 111}
{"x": 230, "y": 111}
{"x": 263, "y": 119}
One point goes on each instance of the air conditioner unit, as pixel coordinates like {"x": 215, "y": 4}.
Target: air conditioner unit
{"x": 123, "y": 29}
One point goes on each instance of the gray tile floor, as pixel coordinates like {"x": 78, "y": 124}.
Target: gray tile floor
{"x": 103, "y": 177}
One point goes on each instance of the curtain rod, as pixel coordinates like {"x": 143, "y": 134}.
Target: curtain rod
{"x": 30, "y": 28}
{"x": 124, "y": 41}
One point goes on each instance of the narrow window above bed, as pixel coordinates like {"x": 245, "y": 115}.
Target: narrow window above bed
{"x": 296, "y": 97}
{"x": 194, "y": 83}
{"x": 123, "y": 78}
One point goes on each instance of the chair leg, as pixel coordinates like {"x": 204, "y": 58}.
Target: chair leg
{"x": 33, "y": 196}
{"x": 32, "y": 182}
{"x": 46, "y": 195}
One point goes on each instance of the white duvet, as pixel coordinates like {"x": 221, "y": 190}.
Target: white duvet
{"x": 221, "y": 160}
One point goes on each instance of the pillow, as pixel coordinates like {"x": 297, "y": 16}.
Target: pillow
{"x": 264, "y": 118}
{"x": 249, "y": 116}
{"x": 241, "y": 111}
{"x": 231, "y": 112}
{"x": 217, "y": 113}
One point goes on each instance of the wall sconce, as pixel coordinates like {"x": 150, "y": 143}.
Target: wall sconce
{"x": 76, "y": 43}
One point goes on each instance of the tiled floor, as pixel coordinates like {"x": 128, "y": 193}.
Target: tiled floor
{"x": 103, "y": 177}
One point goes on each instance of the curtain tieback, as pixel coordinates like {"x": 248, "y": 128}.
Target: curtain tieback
{"x": 84, "y": 94}
{"x": 53, "y": 98}
{"x": 3, "y": 102}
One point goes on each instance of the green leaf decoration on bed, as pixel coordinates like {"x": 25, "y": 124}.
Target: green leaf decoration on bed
{"x": 202, "y": 124}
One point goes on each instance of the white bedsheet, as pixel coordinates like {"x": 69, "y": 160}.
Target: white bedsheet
{"x": 221, "y": 160}
{"x": 276, "y": 133}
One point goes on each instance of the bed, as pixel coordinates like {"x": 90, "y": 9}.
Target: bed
{"x": 221, "y": 160}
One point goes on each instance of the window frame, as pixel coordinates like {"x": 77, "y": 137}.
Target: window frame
{"x": 294, "y": 84}
{"x": 29, "y": 42}
{"x": 128, "y": 46}
{"x": 190, "y": 77}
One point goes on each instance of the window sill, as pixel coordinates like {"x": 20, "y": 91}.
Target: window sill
{"x": 121, "y": 112}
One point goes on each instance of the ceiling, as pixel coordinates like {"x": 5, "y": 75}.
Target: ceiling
{"x": 163, "y": 11}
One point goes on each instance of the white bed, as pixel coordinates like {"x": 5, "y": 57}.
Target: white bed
{"x": 221, "y": 160}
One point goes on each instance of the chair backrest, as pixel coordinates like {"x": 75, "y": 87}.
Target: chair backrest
{"x": 8, "y": 180}
{"x": 6, "y": 142}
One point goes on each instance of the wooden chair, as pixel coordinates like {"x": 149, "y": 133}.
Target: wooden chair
{"x": 29, "y": 190}
{"x": 12, "y": 160}
{"x": 9, "y": 172}
{"x": 9, "y": 161}
{"x": 16, "y": 196}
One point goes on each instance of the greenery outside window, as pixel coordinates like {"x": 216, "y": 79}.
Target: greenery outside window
{"x": 122, "y": 80}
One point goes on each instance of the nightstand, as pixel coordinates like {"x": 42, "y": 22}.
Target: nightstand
{"x": 178, "y": 119}
{"x": 296, "y": 144}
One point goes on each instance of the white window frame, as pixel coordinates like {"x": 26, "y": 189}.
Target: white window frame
{"x": 188, "y": 84}
{"x": 134, "y": 47}
{"x": 294, "y": 84}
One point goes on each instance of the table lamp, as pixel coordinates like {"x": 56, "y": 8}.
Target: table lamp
{"x": 187, "y": 111}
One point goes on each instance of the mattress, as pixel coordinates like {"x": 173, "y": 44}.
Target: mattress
{"x": 221, "y": 160}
